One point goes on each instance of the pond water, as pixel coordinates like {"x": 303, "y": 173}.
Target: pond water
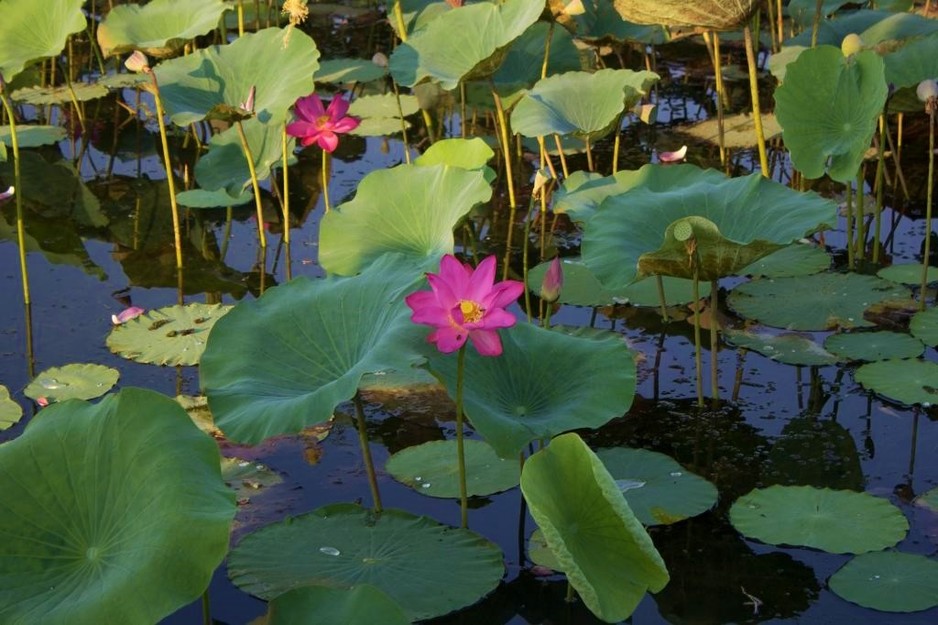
{"x": 783, "y": 425}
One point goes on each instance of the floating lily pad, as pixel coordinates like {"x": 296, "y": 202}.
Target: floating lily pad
{"x": 523, "y": 394}
{"x": 906, "y": 381}
{"x": 888, "y": 581}
{"x": 10, "y": 411}
{"x": 43, "y": 96}
{"x": 107, "y": 501}
{"x": 658, "y": 489}
{"x": 797, "y": 259}
{"x": 835, "y": 521}
{"x": 813, "y": 303}
{"x": 907, "y": 273}
{"x": 828, "y": 107}
{"x": 341, "y": 71}
{"x": 739, "y": 131}
{"x": 362, "y": 604}
{"x": 871, "y": 346}
{"x": 32, "y": 136}
{"x": 929, "y": 500}
{"x": 200, "y": 198}
{"x": 924, "y": 326}
{"x": 158, "y": 28}
{"x": 175, "y": 335}
{"x": 31, "y": 30}
{"x": 429, "y": 569}
{"x": 247, "y": 477}
{"x": 602, "y": 547}
{"x": 408, "y": 209}
{"x": 791, "y": 349}
{"x": 284, "y": 361}
{"x": 431, "y": 469}
{"x": 74, "y": 381}
{"x": 676, "y": 291}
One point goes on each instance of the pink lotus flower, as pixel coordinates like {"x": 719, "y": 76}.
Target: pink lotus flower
{"x": 319, "y": 125}
{"x": 552, "y": 282}
{"x": 465, "y": 304}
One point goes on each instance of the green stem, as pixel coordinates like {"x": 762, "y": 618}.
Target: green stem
{"x": 698, "y": 358}
{"x": 756, "y": 108}
{"x": 400, "y": 112}
{"x": 714, "y": 342}
{"x": 206, "y": 609}
{"x": 460, "y": 451}
{"x": 286, "y": 186}
{"x": 366, "y": 452}
{"x": 928, "y": 201}
{"x": 662, "y": 300}
{"x": 861, "y": 218}
{"x": 18, "y": 193}
{"x": 325, "y": 181}
{"x": 880, "y": 187}
{"x": 509, "y": 175}
{"x": 258, "y": 206}
{"x": 177, "y": 232}
{"x": 850, "y": 258}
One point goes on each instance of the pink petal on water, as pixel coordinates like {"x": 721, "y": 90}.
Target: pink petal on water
{"x": 126, "y": 315}
{"x": 673, "y": 157}
{"x": 42, "y": 401}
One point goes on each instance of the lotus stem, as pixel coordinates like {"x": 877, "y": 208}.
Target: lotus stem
{"x": 662, "y": 299}
{"x": 18, "y": 193}
{"x": 712, "y": 39}
{"x": 926, "y": 253}
{"x": 258, "y": 206}
{"x": 698, "y": 356}
{"x": 546, "y": 160}
{"x": 240, "y": 18}
{"x": 366, "y": 452}
{"x": 756, "y": 108}
{"x": 399, "y": 18}
{"x": 714, "y": 343}
{"x": 226, "y": 233}
{"x": 780, "y": 22}
{"x": 861, "y": 218}
{"x": 509, "y": 175}
{"x": 547, "y": 40}
{"x": 206, "y": 609}
{"x": 818, "y": 11}
{"x": 563, "y": 159}
{"x": 460, "y": 450}
{"x": 880, "y": 186}
{"x": 284, "y": 155}
{"x": 589, "y": 154}
{"x": 615, "y": 147}
{"x": 850, "y": 254}
{"x": 325, "y": 181}
{"x": 400, "y": 111}
{"x": 177, "y": 233}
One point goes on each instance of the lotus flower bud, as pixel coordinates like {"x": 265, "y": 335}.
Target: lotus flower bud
{"x": 851, "y": 44}
{"x": 552, "y": 282}
{"x": 541, "y": 178}
{"x": 138, "y": 62}
{"x": 927, "y": 89}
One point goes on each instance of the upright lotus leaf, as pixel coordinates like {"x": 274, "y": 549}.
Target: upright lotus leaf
{"x": 735, "y": 221}
{"x": 409, "y": 209}
{"x": 362, "y": 604}
{"x": 472, "y": 153}
{"x": 602, "y": 547}
{"x": 381, "y": 114}
{"x": 31, "y": 30}
{"x": 525, "y": 58}
{"x": 835, "y": 521}
{"x": 429, "y": 569}
{"x": 463, "y": 44}
{"x": 873, "y": 26}
{"x": 113, "y": 513}
{"x": 544, "y": 383}
{"x": 889, "y": 581}
{"x": 582, "y": 103}
{"x": 708, "y": 14}
{"x": 158, "y": 28}
{"x": 828, "y": 107}
{"x": 284, "y": 361}
{"x": 599, "y": 22}
{"x": 342, "y": 71}
{"x": 912, "y": 63}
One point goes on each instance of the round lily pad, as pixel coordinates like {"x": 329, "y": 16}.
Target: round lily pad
{"x": 797, "y": 259}
{"x": 889, "y": 581}
{"x": 246, "y": 477}
{"x": 924, "y": 326}
{"x": 320, "y": 605}
{"x": 872, "y": 346}
{"x": 175, "y": 335}
{"x": 835, "y": 521}
{"x": 658, "y": 489}
{"x": 431, "y": 469}
{"x": 907, "y": 273}
{"x": 791, "y": 349}
{"x": 429, "y": 569}
{"x": 818, "y": 302}
{"x": 74, "y": 381}
{"x": 906, "y": 381}
{"x": 10, "y": 411}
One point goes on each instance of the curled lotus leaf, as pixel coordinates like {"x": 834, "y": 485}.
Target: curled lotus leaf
{"x": 31, "y": 30}
{"x": 158, "y": 28}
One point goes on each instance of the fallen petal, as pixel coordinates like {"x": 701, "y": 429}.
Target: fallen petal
{"x": 126, "y": 315}
{"x": 673, "y": 157}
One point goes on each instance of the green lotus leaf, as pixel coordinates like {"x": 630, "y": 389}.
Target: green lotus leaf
{"x": 363, "y": 604}
{"x": 106, "y": 502}
{"x": 73, "y": 381}
{"x": 791, "y": 349}
{"x": 408, "y": 209}
{"x": 457, "y": 152}
{"x": 889, "y": 581}
{"x": 429, "y": 569}
{"x": 556, "y": 104}
{"x": 913, "y": 62}
{"x": 873, "y": 27}
{"x": 709, "y": 14}
{"x": 31, "y": 30}
{"x": 524, "y": 62}
{"x": 600, "y": 22}
{"x": 159, "y": 28}
{"x": 380, "y": 114}
{"x": 928, "y": 500}
{"x": 540, "y": 553}
{"x": 431, "y": 469}
{"x": 10, "y": 411}
{"x": 924, "y": 326}
{"x": 872, "y": 346}
{"x": 464, "y": 44}
{"x": 797, "y": 259}
{"x": 907, "y": 381}
{"x": 828, "y": 107}
{"x": 835, "y": 521}
{"x": 286, "y": 360}
{"x": 735, "y": 221}
{"x": 200, "y": 198}
{"x": 32, "y": 136}
{"x": 739, "y": 131}
{"x": 418, "y": 13}
{"x": 341, "y": 71}
{"x": 526, "y": 393}
{"x": 602, "y": 547}
{"x": 658, "y": 489}
{"x": 802, "y": 11}
{"x": 815, "y": 303}
{"x": 190, "y": 86}
{"x": 583, "y": 192}
{"x": 174, "y": 335}
{"x": 247, "y": 478}
{"x": 907, "y": 273}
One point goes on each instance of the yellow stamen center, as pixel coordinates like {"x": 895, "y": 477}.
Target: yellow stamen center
{"x": 471, "y": 311}
{"x": 322, "y": 121}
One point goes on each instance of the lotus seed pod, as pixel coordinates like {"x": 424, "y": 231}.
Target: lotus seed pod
{"x": 851, "y": 44}
{"x": 927, "y": 89}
